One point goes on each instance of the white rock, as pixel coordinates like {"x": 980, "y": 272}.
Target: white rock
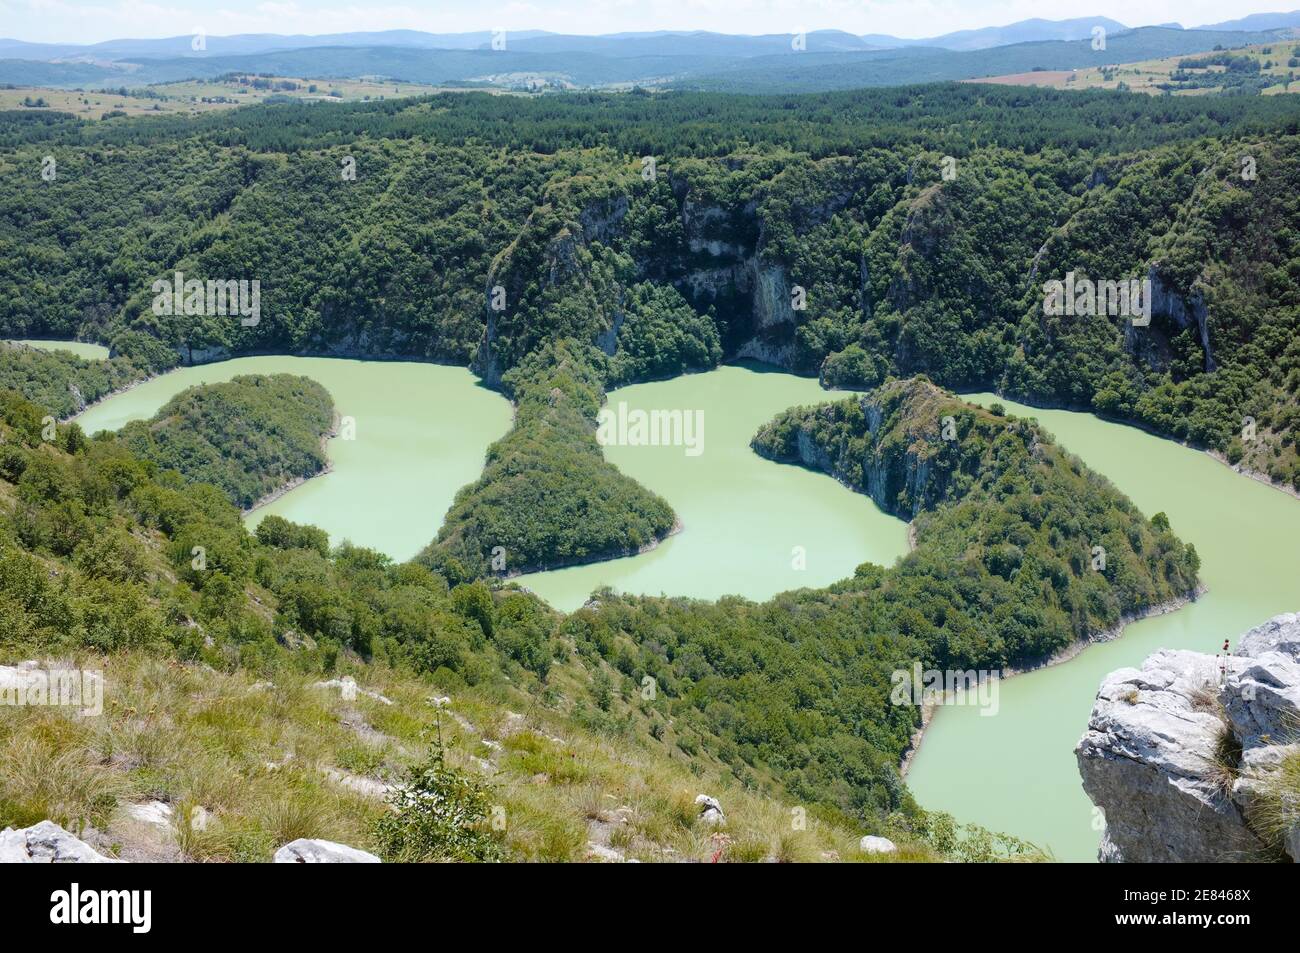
{"x": 348, "y": 690}
{"x": 1263, "y": 700}
{"x": 710, "y": 810}
{"x": 47, "y": 843}
{"x": 606, "y": 855}
{"x": 1279, "y": 634}
{"x": 151, "y": 812}
{"x": 306, "y": 851}
{"x": 1148, "y": 759}
{"x": 362, "y": 785}
{"x": 877, "y": 845}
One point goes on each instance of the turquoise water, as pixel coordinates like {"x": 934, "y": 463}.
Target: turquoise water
{"x": 1015, "y": 771}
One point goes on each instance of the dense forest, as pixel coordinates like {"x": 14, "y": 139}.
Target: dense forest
{"x": 791, "y": 693}
{"x": 670, "y": 230}
{"x": 564, "y": 245}
{"x": 547, "y": 495}
{"x": 62, "y": 381}
{"x": 249, "y": 436}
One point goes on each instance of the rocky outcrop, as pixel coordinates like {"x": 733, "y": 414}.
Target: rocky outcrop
{"x": 1184, "y": 755}
{"x": 888, "y": 444}
{"x": 877, "y": 845}
{"x": 710, "y": 810}
{"x": 1182, "y": 310}
{"x": 306, "y": 851}
{"x": 47, "y": 843}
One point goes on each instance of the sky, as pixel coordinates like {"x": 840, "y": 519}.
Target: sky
{"x": 69, "y": 21}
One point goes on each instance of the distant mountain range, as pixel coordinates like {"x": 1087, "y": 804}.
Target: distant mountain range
{"x": 823, "y": 59}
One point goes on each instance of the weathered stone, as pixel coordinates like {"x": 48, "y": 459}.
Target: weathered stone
{"x": 710, "y": 810}
{"x": 1279, "y": 634}
{"x": 47, "y": 843}
{"x": 306, "y": 851}
{"x": 1182, "y": 754}
{"x": 877, "y": 845}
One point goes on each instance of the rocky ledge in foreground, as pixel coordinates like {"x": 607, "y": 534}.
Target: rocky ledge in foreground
{"x": 1197, "y": 758}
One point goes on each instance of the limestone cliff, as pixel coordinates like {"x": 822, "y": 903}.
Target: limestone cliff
{"x": 904, "y": 444}
{"x": 1195, "y": 758}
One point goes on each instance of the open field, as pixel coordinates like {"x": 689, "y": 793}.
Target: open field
{"x": 1279, "y": 62}
{"x": 195, "y": 96}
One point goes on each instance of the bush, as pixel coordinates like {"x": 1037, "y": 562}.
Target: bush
{"x": 440, "y": 816}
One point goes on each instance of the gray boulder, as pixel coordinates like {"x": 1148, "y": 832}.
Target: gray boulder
{"x": 1279, "y": 634}
{"x": 1179, "y": 753}
{"x": 47, "y": 843}
{"x": 710, "y": 810}
{"x": 305, "y": 851}
{"x": 1147, "y": 762}
{"x": 1262, "y": 699}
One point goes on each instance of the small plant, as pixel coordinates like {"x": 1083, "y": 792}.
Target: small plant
{"x": 1224, "y": 765}
{"x": 440, "y": 814}
{"x": 1205, "y": 698}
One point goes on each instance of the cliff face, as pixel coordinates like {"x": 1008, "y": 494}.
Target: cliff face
{"x": 905, "y": 444}
{"x": 1193, "y": 758}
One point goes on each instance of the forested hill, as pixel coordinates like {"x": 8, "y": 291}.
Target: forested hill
{"x": 1020, "y": 550}
{"x": 223, "y": 674}
{"x": 938, "y": 116}
{"x": 250, "y": 436}
{"x": 698, "y": 210}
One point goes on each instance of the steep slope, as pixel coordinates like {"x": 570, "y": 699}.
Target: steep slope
{"x": 250, "y": 691}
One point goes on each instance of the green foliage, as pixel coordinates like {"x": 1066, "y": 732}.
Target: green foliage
{"x": 547, "y": 497}
{"x": 800, "y": 685}
{"x": 249, "y": 436}
{"x": 60, "y": 380}
{"x": 283, "y": 534}
{"x": 439, "y": 814}
{"x": 662, "y": 336}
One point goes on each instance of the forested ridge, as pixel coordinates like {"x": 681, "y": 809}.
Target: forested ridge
{"x": 249, "y": 436}
{"x": 668, "y": 230}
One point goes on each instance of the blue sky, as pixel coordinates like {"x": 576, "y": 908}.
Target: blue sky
{"x": 88, "y": 22}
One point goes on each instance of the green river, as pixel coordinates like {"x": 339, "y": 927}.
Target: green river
{"x": 1015, "y": 771}
{"x": 755, "y": 528}
{"x": 421, "y": 433}
{"x": 93, "y": 352}
{"x": 748, "y": 524}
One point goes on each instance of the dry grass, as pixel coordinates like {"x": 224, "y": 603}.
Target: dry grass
{"x": 253, "y": 758}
